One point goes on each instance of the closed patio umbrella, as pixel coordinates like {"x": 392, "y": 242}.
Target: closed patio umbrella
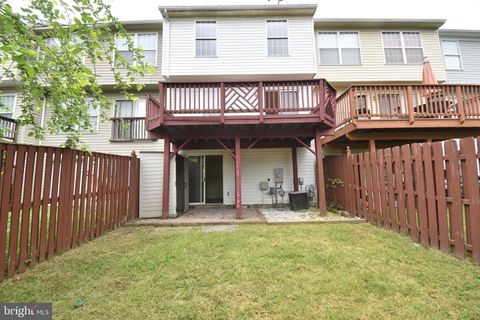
{"x": 427, "y": 76}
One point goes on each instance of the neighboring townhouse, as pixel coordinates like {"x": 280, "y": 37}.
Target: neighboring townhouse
{"x": 461, "y": 52}
{"x": 245, "y": 97}
{"x": 377, "y": 68}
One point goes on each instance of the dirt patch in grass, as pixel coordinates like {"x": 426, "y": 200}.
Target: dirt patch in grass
{"x": 258, "y": 271}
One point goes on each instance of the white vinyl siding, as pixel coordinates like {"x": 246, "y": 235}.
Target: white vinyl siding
{"x": 151, "y": 185}
{"x": 146, "y": 41}
{"x": 241, "y": 49}
{"x": 257, "y": 166}
{"x": 277, "y": 37}
{"x": 451, "y": 54}
{"x": 339, "y": 48}
{"x": 206, "y": 38}
{"x": 402, "y": 47}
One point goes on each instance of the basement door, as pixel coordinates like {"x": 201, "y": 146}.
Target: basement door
{"x": 205, "y": 179}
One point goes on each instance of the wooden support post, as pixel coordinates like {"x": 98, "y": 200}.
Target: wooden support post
{"x": 238, "y": 182}
{"x": 222, "y": 102}
{"x": 295, "y": 169}
{"x": 371, "y": 146}
{"x": 411, "y": 115}
{"x": 461, "y": 111}
{"x": 260, "y": 101}
{"x": 322, "y": 200}
{"x": 166, "y": 176}
{"x": 353, "y": 105}
{"x": 321, "y": 100}
{"x": 162, "y": 103}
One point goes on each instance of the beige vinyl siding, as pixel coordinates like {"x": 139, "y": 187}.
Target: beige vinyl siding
{"x": 241, "y": 48}
{"x": 100, "y": 141}
{"x": 105, "y": 74}
{"x": 373, "y": 67}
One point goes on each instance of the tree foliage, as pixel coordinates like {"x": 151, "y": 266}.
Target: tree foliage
{"x": 51, "y": 48}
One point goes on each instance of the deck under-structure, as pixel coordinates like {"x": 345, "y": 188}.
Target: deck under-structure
{"x": 389, "y": 115}
{"x": 238, "y": 116}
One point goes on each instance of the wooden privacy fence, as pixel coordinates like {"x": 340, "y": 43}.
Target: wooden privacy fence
{"x": 54, "y": 199}
{"x": 429, "y": 191}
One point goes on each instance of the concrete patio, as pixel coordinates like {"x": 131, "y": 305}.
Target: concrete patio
{"x": 216, "y": 215}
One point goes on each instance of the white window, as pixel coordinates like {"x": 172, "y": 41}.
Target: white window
{"x": 402, "y": 47}
{"x": 7, "y": 105}
{"x": 145, "y": 41}
{"x": 339, "y": 48}
{"x": 130, "y": 108}
{"x": 206, "y": 38}
{"x": 94, "y": 115}
{"x": 277, "y": 37}
{"x": 451, "y": 53}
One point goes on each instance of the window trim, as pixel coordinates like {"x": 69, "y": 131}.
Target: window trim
{"x": 135, "y": 35}
{"x": 404, "y": 55}
{"x": 459, "y": 55}
{"x": 195, "y": 39}
{"x": 14, "y": 102}
{"x": 340, "y": 57}
{"x": 267, "y": 38}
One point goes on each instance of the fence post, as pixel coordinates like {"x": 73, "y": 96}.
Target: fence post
{"x": 411, "y": 113}
{"x": 133, "y": 189}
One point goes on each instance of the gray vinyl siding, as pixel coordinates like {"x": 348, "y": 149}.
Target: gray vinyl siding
{"x": 470, "y": 59}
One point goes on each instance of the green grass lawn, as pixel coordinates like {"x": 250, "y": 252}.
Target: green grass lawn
{"x": 257, "y": 271}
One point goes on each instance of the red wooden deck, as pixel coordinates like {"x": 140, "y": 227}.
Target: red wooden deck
{"x": 242, "y": 115}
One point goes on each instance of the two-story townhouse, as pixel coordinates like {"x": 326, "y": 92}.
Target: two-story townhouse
{"x": 239, "y": 96}
{"x": 461, "y": 52}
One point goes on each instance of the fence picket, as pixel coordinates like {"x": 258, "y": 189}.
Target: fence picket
{"x": 421, "y": 203}
{"x": 430, "y": 194}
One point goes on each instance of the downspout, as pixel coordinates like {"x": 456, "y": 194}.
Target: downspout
{"x": 168, "y": 42}
{"x": 42, "y": 118}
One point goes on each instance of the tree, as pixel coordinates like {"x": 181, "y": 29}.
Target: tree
{"x": 43, "y": 49}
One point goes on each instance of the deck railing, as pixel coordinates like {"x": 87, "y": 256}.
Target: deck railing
{"x": 260, "y": 99}
{"x": 8, "y": 128}
{"x": 128, "y": 129}
{"x": 408, "y": 102}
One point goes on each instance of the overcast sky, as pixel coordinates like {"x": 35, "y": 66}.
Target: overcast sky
{"x": 460, "y": 14}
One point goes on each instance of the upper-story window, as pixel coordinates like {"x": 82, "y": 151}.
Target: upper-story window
{"x": 339, "y": 48}
{"x": 402, "y": 47}
{"x": 7, "y": 105}
{"x": 451, "y": 54}
{"x": 277, "y": 37}
{"x": 206, "y": 38}
{"x": 146, "y": 41}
